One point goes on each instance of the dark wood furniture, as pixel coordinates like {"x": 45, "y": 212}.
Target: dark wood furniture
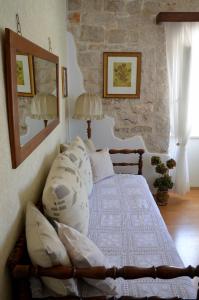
{"x": 21, "y": 268}
{"x": 140, "y": 152}
{"x": 177, "y": 17}
{"x": 89, "y": 129}
{"x": 14, "y": 44}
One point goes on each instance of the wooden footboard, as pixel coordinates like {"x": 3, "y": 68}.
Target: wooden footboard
{"x": 127, "y": 273}
{"x": 21, "y": 272}
{"x": 21, "y": 269}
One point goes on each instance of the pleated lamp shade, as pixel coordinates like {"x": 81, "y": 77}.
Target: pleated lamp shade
{"x": 44, "y": 107}
{"x": 88, "y": 107}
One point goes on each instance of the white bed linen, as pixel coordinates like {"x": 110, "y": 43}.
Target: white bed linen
{"x": 125, "y": 223}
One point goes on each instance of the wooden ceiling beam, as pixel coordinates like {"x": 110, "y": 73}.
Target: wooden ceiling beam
{"x": 177, "y": 17}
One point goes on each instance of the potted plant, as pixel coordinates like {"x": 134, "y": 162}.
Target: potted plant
{"x": 164, "y": 182}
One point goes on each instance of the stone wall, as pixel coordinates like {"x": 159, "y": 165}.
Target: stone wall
{"x": 128, "y": 25}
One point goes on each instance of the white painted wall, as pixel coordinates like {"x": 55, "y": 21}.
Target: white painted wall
{"x": 193, "y": 160}
{"x": 40, "y": 19}
{"x": 75, "y": 87}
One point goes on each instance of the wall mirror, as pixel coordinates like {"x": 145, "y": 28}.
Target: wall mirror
{"x": 32, "y": 94}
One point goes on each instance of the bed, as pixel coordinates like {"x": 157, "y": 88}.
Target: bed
{"x": 125, "y": 223}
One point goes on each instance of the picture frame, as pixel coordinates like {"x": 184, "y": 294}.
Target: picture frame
{"x": 25, "y": 75}
{"x": 121, "y": 74}
{"x": 64, "y": 82}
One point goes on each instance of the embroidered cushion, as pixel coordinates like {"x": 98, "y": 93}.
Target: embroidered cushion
{"x": 84, "y": 254}
{"x": 46, "y": 250}
{"x": 65, "y": 197}
{"x": 90, "y": 146}
{"x": 101, "y": 164}
{"x": 77, "y": 153}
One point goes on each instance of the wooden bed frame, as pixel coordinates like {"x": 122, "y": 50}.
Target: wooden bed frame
{"x": 21, "y": 268}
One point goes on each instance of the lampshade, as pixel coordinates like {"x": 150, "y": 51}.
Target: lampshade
{"x": 88, "y": 107}
{"x": 44, "y": 107}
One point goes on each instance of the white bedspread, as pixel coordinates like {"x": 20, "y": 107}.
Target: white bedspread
{"x": 126, "y": 225}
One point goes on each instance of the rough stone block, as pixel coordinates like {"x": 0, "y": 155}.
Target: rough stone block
{"x": 114, "y": 47}
{"x": 114, "y": 5}
{"x": 116, "y": 36}
{"x": 152, "y": 7}
{"x": 82, "y": 46}
{"x": 133, "y": 36}
{"x": 88, "y": 59}
{"x": 96, "y": 46}
{"x": 74, "y": 17}
{"x": 90, "y": 75}
{"x": 128, "y": 23}
{"x": 134, "y": 7}
{"x": 90, "y": 5}
{"x": 187, "y": 5}
{"x": 105, "y": 19}
{"x": 92, "y": 34}
{"x": 75, "y": 30}
{"x": 74, "y": 4}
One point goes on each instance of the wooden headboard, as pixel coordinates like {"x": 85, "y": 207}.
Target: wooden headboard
{"x": 140, "y": 152}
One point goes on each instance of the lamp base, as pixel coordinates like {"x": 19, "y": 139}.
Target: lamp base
{"x": 45, "y": 123}
{"x": 89, "y": 129}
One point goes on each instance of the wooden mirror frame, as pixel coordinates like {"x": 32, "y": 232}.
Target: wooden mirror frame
{"x": 15, "y": 43}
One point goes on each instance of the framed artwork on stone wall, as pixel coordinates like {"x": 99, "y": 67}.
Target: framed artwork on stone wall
{"x": 122, "y": 74}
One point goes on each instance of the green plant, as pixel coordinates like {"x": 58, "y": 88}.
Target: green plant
{"x": 161, "y": 168}
{"x": 171, "y": 163}
{"x": 164, "y": 182}
{"x": 155, "y": 160}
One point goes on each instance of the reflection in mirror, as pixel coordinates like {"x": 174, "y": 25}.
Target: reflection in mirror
{"x": 37, "y": 95}
{"x": 32, "y": 80}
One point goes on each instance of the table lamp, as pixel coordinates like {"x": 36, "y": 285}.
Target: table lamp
{"x": 44, "y": 107}
{"x": 88, "y": 107}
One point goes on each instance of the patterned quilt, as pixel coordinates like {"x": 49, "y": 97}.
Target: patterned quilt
{"x": 125, "y": 223}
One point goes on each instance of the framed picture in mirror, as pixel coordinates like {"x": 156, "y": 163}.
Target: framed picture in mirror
{"x": 25, "y": 75}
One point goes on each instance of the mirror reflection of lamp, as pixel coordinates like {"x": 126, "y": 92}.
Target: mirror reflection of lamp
{"x": 88, "y": 107}
{"x": 44, "y": 107}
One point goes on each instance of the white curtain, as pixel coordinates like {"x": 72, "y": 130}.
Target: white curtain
{"x": 179, "y": 43}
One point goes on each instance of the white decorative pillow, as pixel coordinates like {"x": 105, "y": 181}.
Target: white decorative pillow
{"x": 101, "y": 164}
{"x": 65, "y": 198}
{"x": 77, "y": 152}
{"x": 90, "y": 146}
{"x": 46, "y": 250}
{"x": 84, "y": 254}
{"x": 64, "y": 147}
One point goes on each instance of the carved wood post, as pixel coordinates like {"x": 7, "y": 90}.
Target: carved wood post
{"x": 89, "y": 129}
{"x": 140, "y": 163}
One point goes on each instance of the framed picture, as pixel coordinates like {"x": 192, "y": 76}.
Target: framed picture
{"x": 64, "y": 82}
{"x": 25, "y": 76}
{"x": 122, "y": 74}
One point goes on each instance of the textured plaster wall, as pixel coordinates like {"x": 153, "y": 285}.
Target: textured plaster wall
{"x": 128, "y": 25}
{"x": 39, "y": 20}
